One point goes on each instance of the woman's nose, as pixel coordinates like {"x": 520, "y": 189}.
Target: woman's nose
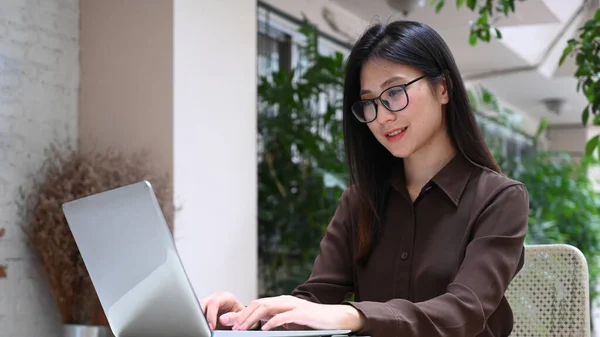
{"x": 383, "y": 114}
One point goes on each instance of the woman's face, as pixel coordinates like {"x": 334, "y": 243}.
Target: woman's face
{"x": 420, "y": 123}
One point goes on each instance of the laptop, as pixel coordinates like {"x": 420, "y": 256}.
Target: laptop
{"x": 136, "y": 271}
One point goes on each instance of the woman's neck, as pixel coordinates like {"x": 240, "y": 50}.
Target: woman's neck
{"x": 424, "y": 164}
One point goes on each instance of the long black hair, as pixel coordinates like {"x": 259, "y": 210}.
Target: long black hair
{"x": 417, "y": 45}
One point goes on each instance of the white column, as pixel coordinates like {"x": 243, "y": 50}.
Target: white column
{"x": 214, "y": 144}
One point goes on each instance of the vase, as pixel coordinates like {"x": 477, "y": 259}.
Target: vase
{"x": 78, "y": 330}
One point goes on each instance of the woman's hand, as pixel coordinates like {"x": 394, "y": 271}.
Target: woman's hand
{"x": 218, "y": 304}
{"x": 289, "y": 310}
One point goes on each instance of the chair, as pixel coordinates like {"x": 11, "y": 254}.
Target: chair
{"x": 550, "y": 295}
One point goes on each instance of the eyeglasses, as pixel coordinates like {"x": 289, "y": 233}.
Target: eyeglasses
{"x": 394, "y": 99}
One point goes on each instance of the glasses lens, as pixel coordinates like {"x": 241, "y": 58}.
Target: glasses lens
{"x": 365, "y": 111}
{"x": 394, "y": 98}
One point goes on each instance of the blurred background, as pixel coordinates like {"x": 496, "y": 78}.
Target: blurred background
{"x": 231, "y": 108}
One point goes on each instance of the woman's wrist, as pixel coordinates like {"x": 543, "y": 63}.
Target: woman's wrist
{"x": 353, "y": 319}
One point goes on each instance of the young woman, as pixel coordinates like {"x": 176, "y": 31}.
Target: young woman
{"x": 430, "y": 234}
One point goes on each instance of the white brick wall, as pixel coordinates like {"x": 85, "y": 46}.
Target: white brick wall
{"x": 39, "y": 79}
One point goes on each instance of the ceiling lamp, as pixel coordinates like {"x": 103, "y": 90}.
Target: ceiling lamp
{"x": 555, "y": 105}
{"x": 405, "y": 6}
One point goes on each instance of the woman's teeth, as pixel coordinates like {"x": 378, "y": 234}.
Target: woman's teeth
{"x": 397, "y": 132}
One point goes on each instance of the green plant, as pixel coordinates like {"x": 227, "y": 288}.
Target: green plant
{"x": 564, "y": 207}
{"x": 488, "y": 10}
{"x": 301, "y": 164}
{"x": 585, "y": 48}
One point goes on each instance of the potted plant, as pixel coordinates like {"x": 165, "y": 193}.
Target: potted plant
{"x": 69, "y": 174}
{"x": 301, "y": 171}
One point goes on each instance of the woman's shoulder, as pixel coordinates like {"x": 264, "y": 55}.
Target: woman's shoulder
{"x": 490, "y": 184}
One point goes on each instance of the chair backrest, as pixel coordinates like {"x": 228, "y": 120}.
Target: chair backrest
{"x": 550, "y": 295}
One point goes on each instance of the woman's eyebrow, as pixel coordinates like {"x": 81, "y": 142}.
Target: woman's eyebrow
{"x": 391, "y": 80}
{"x": 385, "y": 83}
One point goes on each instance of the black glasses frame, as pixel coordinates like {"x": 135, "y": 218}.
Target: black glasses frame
{"x": 383, "y": 101}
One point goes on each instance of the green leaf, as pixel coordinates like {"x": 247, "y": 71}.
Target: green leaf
{"x": 589, "y": 25}
{"x": 473, "y": 38}
{"x": 597, "y": 15}
{"x": 565, "y": 53}
{"x": 483, "y": 19}
{"x": 489, "y": 8}
{"x": 585, "y": 115}
{"x": 460, "y": 3}
{"x": 542, "y": 127}
{"x": 486, "y": 96}
{"x": 439, "y": 6}
{"x": 498, "y": 34}
{"x": 591, "y": 145}
{"x": 471, "y": 4}
{"x": 590, "y": 91}
{"x": 596, "y": 121}
{"x": 504, "y": 7}
{"x": 484, "y": 35}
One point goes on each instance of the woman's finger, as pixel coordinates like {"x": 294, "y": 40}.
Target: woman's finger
{"x": 255, "y": 308}
{"x": 212, "y": 310}
{"x": 266, "y": 308}
{"x": 203, "y": 303}
{"x": 288, "y": 317}
{"x": 229, "y": 318}
{"x": 244, "y": 313}
{"x": 253, "y": 319}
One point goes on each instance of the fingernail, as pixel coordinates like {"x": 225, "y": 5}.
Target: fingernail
{"x": 225, "y": 319}
{"x": 211, "y": 326}
{"x": 243, "y": 327}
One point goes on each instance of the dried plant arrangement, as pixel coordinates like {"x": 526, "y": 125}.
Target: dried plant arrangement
{"x": 66, "y": 175}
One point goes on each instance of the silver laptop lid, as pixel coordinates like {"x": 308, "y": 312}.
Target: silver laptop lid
{"x": 133, "y": 263}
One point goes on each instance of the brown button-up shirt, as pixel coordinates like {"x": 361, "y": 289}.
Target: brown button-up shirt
{"x": 443, "y": 262}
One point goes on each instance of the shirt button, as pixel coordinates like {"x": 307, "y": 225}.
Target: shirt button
{"x": 404, "y": 255}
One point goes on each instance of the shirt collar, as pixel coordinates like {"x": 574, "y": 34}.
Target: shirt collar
{"x": 452, "y": 178}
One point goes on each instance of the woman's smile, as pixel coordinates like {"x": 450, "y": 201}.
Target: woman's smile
{"x": 395, "y": 134}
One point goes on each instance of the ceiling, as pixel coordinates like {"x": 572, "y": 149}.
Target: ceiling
{"x": 521, "y": 68}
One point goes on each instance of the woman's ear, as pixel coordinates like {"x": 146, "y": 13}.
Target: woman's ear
{"x": 442, "y": 90}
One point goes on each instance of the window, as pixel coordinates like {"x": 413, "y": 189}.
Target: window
{"x": 280, "y": 44}
{"x": 274, "y": 49}
{"x": 506, "y": 142}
